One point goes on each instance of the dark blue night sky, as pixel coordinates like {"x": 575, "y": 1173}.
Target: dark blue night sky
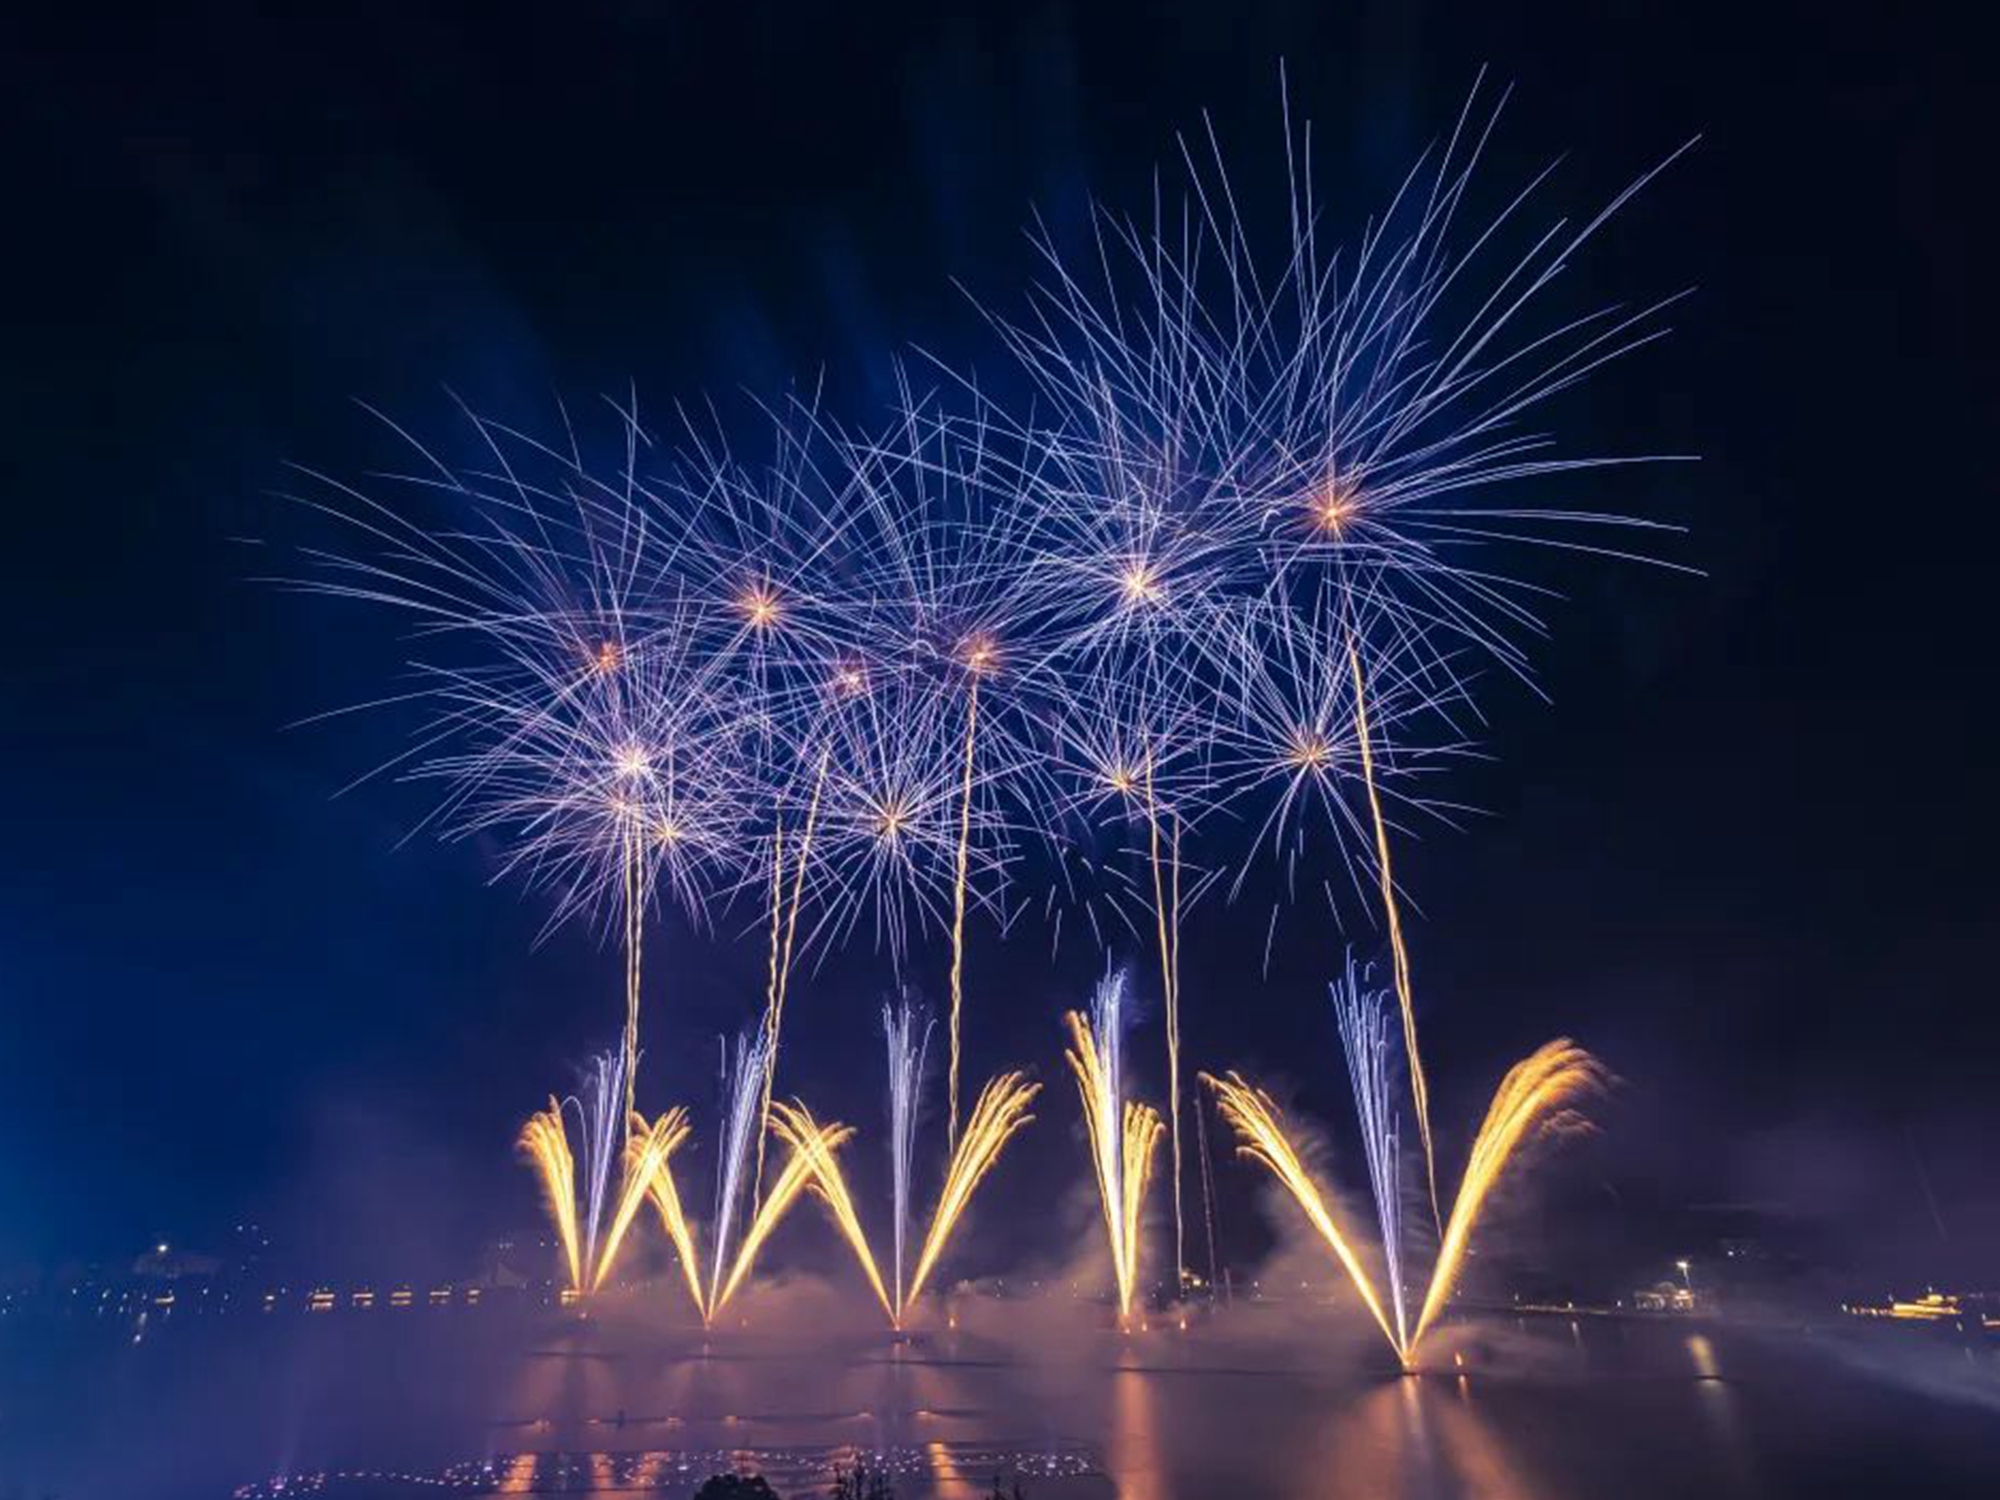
{"x": 1745, "y": 853}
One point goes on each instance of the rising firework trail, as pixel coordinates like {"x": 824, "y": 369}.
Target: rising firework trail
{"x": 1123, "y": 1135}
{"x": 907, "y": 1030}
{"x": 600, "y": 1113}
{"x": 1365, "y": 1039}
{"x": 771, "y": 991}
{"x": 978, "y": 656}
{"x": 1419, "y": 1093}
{"x": 781, "y": 955}
{"x": 742, "y": 1082}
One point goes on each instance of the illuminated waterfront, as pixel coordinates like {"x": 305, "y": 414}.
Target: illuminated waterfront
{"x": 1262, "y": 1402}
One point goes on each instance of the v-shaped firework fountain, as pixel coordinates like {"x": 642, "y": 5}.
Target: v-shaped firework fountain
{"x": 1000, "y": 1111}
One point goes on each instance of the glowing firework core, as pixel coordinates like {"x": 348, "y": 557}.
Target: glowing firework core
{"x": 982, "y": 654}
{"x": 1308, "y": 751}
{"x": 1333, "y": 510}
{"x": 1140, "y": 585}
{"x": 759, "y": 607}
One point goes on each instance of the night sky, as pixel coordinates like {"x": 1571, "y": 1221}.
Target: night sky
{"x": 1745, "y": 852}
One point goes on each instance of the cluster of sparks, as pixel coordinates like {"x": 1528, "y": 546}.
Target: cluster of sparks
{"x": 1109, "y": 647}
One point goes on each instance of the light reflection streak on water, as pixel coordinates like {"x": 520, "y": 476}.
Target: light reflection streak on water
{"x": 1718, "y": 1407}
{"x": 944, "y": 1468}
{"x": 1478, "y": 1455}
{"x": 1703, "y": 1354}
{"x": 519, "y": 1476}
{"x": 1135, "y": 1461}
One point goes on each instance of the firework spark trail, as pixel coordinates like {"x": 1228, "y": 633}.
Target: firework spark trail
{"x": 1207, "y": 1194}
{"x": 1123, "y": 1135}
{"x": 907, "y": 1032}
{"x": 794, "y": 1125}
{"x": 1364, "y": 1038}
{"x": 1260, "y": 1125}
{"x": 666, "y": 1200}
{"x": 781, "y": 972}
{"x": 600, "y": 1116}
{"x": 1002, "y": 1109}
{"x": 771, "y": 991}
{"x": 1419, "y": 1093}
{"x": 647, "y": 1150}
{"x": 1535, "y": 1097}
{"x": 635, "y": 929}
{"x": 1168, "y": 922}
{"x": 811, "y": 1144}
{"x": 546, "y": 1145}
{"x": 742, "y": 1093}
{"x": 958, "y": 890}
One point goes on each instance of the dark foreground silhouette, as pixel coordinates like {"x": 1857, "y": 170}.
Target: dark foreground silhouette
{"x": 862, "y": 1482}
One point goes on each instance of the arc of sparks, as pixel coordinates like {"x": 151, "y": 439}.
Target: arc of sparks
{"x": 1535, "y": 1096}
{"x": 665, "y": 1196}
{"x": 794, "y": 1125}
{"x": 1001, "y": 1111}
{"x": 647, "y": 1149}
{"x": 1257, "y": 1120}
{"x": 1419, "y": 1091}
{"x": 546, "y": 1144}
{"x": 791, "y": 1181}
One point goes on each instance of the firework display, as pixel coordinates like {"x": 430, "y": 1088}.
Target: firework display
{"x": 1199, "y": 605}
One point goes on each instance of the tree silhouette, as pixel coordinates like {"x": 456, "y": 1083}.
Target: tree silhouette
{"x": 862, "y": 1482}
